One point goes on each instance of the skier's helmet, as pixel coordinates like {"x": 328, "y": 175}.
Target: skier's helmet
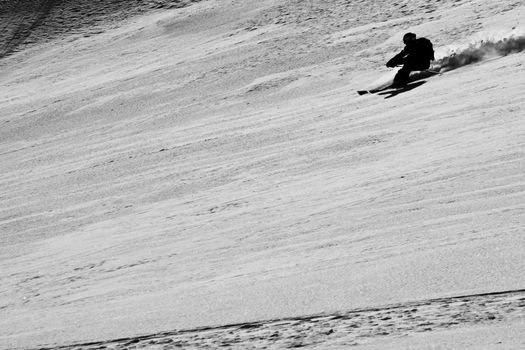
{"x": 409, "y": 38}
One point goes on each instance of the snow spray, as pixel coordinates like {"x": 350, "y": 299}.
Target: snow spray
{"x": 482, "y": 46}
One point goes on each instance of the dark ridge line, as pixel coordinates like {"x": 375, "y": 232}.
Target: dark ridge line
{"x": 256, "y": 324}
{"x": 17, "y": 7}
{"x": 22, "y": 32}
{"x": 26, "y": 23}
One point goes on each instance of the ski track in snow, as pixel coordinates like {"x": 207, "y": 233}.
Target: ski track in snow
{"x": 340, "y": 329}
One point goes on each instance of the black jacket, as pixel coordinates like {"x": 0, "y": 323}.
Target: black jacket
{"x": 421, "y": 51}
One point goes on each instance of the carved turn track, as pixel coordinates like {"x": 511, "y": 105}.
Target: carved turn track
{"x": 349, "y": 328}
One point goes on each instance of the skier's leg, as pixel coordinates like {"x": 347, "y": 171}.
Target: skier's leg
{"x": 402, "y": 75}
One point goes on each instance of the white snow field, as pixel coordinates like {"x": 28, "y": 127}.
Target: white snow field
{"x": 213, "y": 165}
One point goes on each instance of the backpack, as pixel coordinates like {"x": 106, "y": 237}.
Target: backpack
{"x": 426, "y": 48}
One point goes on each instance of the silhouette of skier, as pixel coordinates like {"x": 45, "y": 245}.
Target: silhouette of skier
{"x": 416, "y": 56}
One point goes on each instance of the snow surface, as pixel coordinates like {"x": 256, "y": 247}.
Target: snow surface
{"x": 213, "y": 164}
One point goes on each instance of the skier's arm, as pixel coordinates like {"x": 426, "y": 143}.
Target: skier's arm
{"x": 396, "y": 60}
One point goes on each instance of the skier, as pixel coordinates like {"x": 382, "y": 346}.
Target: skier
{"x": 416, "y": 56}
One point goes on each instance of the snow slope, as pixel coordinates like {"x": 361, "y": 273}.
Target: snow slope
{"x": 213, "y": 164}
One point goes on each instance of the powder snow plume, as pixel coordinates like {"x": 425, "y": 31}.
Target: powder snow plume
{"x": 479, "y": 50}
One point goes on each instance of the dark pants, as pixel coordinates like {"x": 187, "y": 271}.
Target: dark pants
{"x": 410, "y": 64}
